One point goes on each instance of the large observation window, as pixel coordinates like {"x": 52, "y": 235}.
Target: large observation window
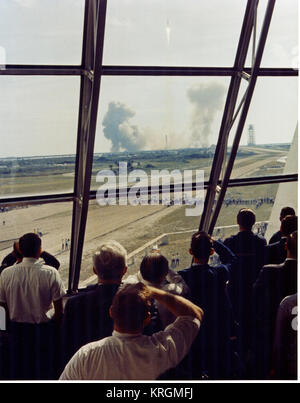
{"x": 147, "y": 116}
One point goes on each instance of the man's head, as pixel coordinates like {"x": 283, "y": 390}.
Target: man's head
{"x": 201, "y": 246}
{"x": 130, "y": 309}
{"x": 30, "y": 245}
{"x": 154, "y": 268}
{"x": 246, "y": 219}
{"x": 292, "y": 244}
{"x": 286, "y": 211}
{"x": 16, "y": 252}
{"x": 110, "y": 262}
{"x": 289, "y": 224}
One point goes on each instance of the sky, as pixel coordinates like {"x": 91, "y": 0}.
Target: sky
{"x": 38, "y": 115}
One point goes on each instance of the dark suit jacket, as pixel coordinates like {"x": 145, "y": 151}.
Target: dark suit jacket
{"x": 211, "y": 349}
{"x": 273, "y": 284}
{"x": 249, "y": 249}
{"x": 275, "y": 237}
{"x": 86, "y": 318}
{"x": 248, "y": 246}
{"x": 49, "y": 260}
{"x": 275, "y": 253}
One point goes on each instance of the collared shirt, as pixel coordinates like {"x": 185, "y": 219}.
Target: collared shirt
{"x": 29, "y": 288}
{"x": 128, "y": 357}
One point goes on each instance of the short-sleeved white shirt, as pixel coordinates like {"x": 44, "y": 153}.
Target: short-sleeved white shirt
{"x": 29, "y": 288}
{"x": 128, "y": 357}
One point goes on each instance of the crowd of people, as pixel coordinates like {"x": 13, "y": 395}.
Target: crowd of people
{"x": 231, "y": 321}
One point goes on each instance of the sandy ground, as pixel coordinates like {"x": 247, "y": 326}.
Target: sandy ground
{"x": 130, "y": 225}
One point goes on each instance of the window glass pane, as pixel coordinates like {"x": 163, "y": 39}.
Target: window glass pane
{"x": 139, "y": 228}
{"x": 281, "y": 49}
{"x": 51, "y": 221}
{"x": 261, "y": 199}
{"x": 269, "y": 129}
{"x": 173, "y": 32}
{"x": 41, "y": 32}
{"x": 158, "y": 122}
{"x": 38, "y": 134}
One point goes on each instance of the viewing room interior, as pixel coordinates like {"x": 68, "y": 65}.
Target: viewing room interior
{"x": 160, "y": 85}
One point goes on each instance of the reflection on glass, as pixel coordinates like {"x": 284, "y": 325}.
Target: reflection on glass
{"x": 259, "y": 198}
{"x": 51, "y": 221}
{"x": 38, "y": 134}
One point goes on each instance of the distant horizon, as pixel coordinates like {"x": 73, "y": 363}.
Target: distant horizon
{"x": 135, "y": 151}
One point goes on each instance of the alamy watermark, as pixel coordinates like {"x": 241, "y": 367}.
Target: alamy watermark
{"x": 133, "y": 188}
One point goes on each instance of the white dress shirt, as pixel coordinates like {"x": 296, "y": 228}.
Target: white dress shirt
{"x": 29, "y": 288}
{"x": 128, "y": 357}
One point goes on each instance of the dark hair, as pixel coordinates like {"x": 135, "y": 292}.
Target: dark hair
{"x": 201, "y": 245}
{"x": 130, "y": 307}
{"x": 286, "y": 211}
{"x": 246, "y": 218}
{"x": 292, "y": 243}
{"x": 30, "y": 245}
{"x": 17, "y": 252}
{"x": 289, "y": 224}
{"x": 154, "y": 267}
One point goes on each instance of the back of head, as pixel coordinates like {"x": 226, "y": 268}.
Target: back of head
{"x": 201, "y": 245}
{"x": 292, "y": 244}
{"x": 130, "y": 308}
{"x": 289, "y": 224}
{"x": 154, "y": 268}
{"x": 110, "y": 260}
{"x": 286, "y": 211}
{"x": 30, "y": 245}
{"x": 17, "y": 251}
{"x": 246, "y": 219}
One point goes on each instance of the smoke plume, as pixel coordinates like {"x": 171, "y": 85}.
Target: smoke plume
{"x": 116, "y": 127}
{"x": 207, "y": 99}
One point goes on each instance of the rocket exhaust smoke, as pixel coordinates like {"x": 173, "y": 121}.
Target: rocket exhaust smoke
{"x": 123, "y": 135}
{"x": 206, "y": 99}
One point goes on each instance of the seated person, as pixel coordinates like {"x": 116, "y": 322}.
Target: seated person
{"x": 16, "y": 257}
{"x": 29, "y": 289}
{"x": 210, "y": 354}
{"x": 130, "y": 355}
{"x": 155, "y": 271}
{"x": 273, "y": 284}
{"x": 283, "y": 213}
{"x": 275, "y": 253}
{"x": 86, "y": 317}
